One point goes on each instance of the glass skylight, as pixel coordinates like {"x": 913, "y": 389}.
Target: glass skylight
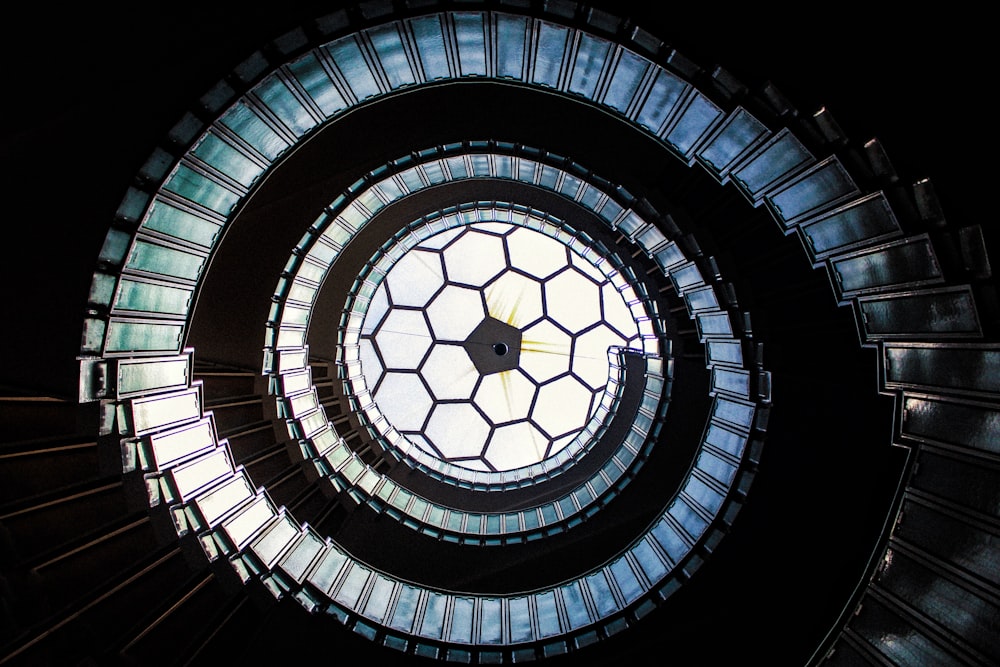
{"x": 486, "y": 345}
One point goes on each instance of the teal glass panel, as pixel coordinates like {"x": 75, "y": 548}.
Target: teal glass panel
{"x": 673, "y": 543}
{"x": 649, "y": 560}
{"x": 279, "y": 99}
{"x": 740, "y": 132}
{"x": 868, "y": 218}
{"x": 732, "y": 381}
{"x": 591, "y": 56}
{"x": 326, "y": 574}
{"x": 548, "y": 614}
{"x": 123, "y": 336}
{"x": 137, "y": 377}
{"x": 575, "y": 605}
{"x": 253, "y": 130}
{"x": 661, "y": 101}
{"x": 510, "y": 33}
{"x": 520, "y": 620}
{"x": 818, "y": 189}
{"x": 378, "y": 598}
{"x": 570, "y": 186}
{"x": 526, "y": 170}
{"x": 773, "y": 162}
{"x": 700, "y": 115}
{"x": 172, "y": 221}
{"x": 150, "y": 298}
{"x": 705, "y": 496}
{"x": 93, "y": 335}
{"x": 198, "y": 188}
{"x": 625, "y": 81}
{"x": 461, "y": 621}
{"x": 350, "y": 590}
{"x": 301, "y": 556}
{"x": 550, "y": 48}
{"x": 352, "y": 65}
{"x": 157, "y": 259}
{"x": 310, "y": 74}
{"x": 480, "y": 166}
{"x": 226, "y": 159}
{"x": 392, "y": 56}
{"x": 600, "y": 593}
{"x": 435, "y": 174}
{"x": 456, "y": 165}
{"x": 430, "y": 47}
{"x": 405, "y": 610}
{"x": 628, "y": 583}
{"x": 610, "y": 210}
{"x": 949, "y": 312}
{"x": 471, "y": 43}
{"x": 490, "y": 621}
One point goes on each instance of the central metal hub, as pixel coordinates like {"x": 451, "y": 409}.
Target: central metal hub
{"x": 494, "y": 346}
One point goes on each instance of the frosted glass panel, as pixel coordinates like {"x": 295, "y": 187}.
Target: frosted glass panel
{"x": 510, "y": 32}
{"x": 391, "y": 55}
{"x": 780, "y": 157}
{"x": 279, "y": 99}
{"x": 172, "y": 221}
{"x": 625, "y": 81}
{"x": 549, "y": 51}
{"x": 226, "y": 159}
{"x": 352, "y": 65}
{"x": 148, "y": 297}
{"x": 125, "y": 336}
{"x": 311, "y": 76}
{"x": 520, "y": 620}
{"x": 153, "y": 258}
{"x": 471, "y": 43}
{"x": 253, "y": 130}
{"x": 661, "y": 101}
{"x": 591, "y": 56}
{"x": 430, "y": 47}
{"x": 461, "y": 621}
{"x": 490, "y": 621}
{"x": 198, "y": 188}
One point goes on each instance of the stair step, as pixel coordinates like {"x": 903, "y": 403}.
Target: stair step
{"x": 40, "y": 467}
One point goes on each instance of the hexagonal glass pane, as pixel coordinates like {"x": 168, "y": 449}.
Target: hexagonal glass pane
{"x": 515, "y": 446}
{"x": 403, "y": 400}
{"x": 514, "y": 299}
{"x": 474, "y": 258}
{"x": 403, "y": 339}
{"x": 455, "y": 312}
{"x": 414, "y": 279}
{"x": 617, "y": 313}
{"x": 535, "y": 253}
{"x": 457, "y": 430}
{"x": 441, "y": 239}
{"x": 562, "y": 406}
{"x": 371, "y": 366}
{"x": 586, "y": 266}
{"x": 377, "y": 308}
{"x": 449, "y": 372}
{"x": 590, "y": 355}
{"x": 505, "y": 396}
{"x": 573, "y": 300}
{"x": 545, "y": 351}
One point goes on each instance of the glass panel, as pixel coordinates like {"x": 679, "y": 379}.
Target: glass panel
{"x": 471, "y": 43}
{"x": 548, "y": 615}
{"x": 970, "y": 485}
{"x": 124, "y": 336}
{"x": 660, "y": 102}
{"x": 600, "y": 593}
{"x": 520, "y": 620}
{"x": 625, "y": 81}
{"x": 740, "y": 132}
{"x": 311, "y": 76}
{"x": 225, "y": 158}
{"x": 327, "y": 572}
{"x": 352, "y": 65}
{"x": 968, "y": 369}
{"x": 868, "y": 218}
{"x": 152, "y": 298}
{"x": 511, "y": 32}
{"x": 819, "y": 188}
{"x": 549, "y": 51}
{"x": 702, "y": 494}
{"x": 695, "y": 122}
{"x": 405, "y": 609}
{"x": 221, "y": 500}
{"x": 591, "y": 56}
{"x": 378, "y": 598}
{"x": 649, "y": 560}
{"x": 350, "y": 590}
{"x": 430, "y": 47}
{"x": 166, "y": 219}
{"x": 945, "y": 312}
{"x": 490, "y": 621}
{"x": 249, "y": 127}
{"x": 576, "y": 607}
{"x": 719, "y": 469}
{"x": 172, "y": 446}
{"x": 301, "y": 556}
{"x": 137, "y": 376}
{"x": 951, "y": 422}
{"x": 391, "y": 55}
{"x": 433, "y": 621}
{"x": 908, "y": 262}
{"x": 248, "y": 522}
{"x": 195, "y": 187}
{"x": 461, "y": 621}
{"x": 897, "y": 639}
{"x": 730, "y": 411}
{"x": 274, "y": 541}
{"x": 279, "y": 99}
{"x": 688, "y": 519}
{"x": 158, "y": 259}
{"x": 783, "y": 154}
{"x": 628, "y": 583}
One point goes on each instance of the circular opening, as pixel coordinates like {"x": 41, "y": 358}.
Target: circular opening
{"x": 500, "y": 349}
